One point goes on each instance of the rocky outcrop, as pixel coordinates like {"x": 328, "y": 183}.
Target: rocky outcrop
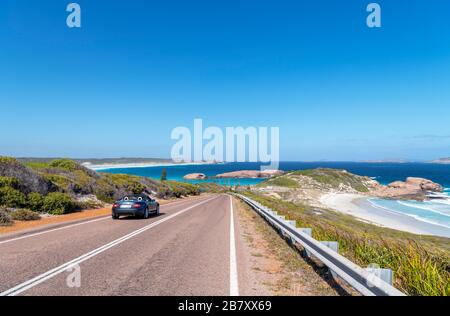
{"x": 250, "y": 174}
{"x": 29, "y": 180}
{"x": 195, "y": 176}
{"x": 424, "y": 184}
{"x": 412, "y": 188}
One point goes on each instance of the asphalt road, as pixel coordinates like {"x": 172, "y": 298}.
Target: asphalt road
{"x": 190, "y": 249}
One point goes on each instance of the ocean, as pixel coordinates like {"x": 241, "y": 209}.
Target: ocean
{"x": 435, "y": 212}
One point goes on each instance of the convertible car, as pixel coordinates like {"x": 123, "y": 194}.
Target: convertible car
{"x": 139, "y": 205}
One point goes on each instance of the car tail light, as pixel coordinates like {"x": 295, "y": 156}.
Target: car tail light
{"x": 137, "y": 205}
{"x": 115, "y": 205}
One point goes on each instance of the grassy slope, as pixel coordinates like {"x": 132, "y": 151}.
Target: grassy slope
{"x": 334, "y": 177}
{"x": 420, "y": 263}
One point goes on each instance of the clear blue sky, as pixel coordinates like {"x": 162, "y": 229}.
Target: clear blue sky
{"x": 136, "y": 69}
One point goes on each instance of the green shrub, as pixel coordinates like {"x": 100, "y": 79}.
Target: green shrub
{"x": 8, "y": 160}
{"x": 335, "y": 177}
{"x": 37, "y": 164}
{"x": 282, "y": 181}
{"x": 35, "y": 201}
{"x": 66, "y": 164}
{"x": 164, "y": 175}
{"x": 5, "y": 218}
{"x": 25, "y": 215}
{"x": 11, "y": 197}
{"x": 9, "y": 182}
{"x": 58, "y": 203}
{"x": 136, "y": 187}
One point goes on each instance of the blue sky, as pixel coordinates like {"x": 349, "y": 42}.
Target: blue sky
{"x": 136, "y": 69}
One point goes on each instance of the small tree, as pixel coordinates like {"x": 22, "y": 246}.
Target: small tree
{"x": 164, "y": 175}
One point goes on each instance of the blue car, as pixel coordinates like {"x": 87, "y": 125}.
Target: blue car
{"x": 139, "y": 205}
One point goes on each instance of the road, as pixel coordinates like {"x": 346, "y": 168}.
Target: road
{"x": 190, "y": 249}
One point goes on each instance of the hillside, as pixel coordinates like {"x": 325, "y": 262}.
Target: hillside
{"x": 62, "y": 185}
{"x": 307, "y": 186}
{"x": 420, "y": 263}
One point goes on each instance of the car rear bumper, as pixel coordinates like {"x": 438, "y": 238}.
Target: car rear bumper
{"x": 132, "y": 212}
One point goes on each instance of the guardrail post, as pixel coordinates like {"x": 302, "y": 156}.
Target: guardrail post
{"x": 387, "y": 275}
{"x": 333, "y": 245}
{"x": 294, "y": 225}
{"x": 307, "y": 231}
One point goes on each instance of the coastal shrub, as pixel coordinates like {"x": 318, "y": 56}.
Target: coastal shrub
{"x": 283, "y": 181}
{"x": 9, "y": 182}
{"x": 136, "y": 187}
{"x": 8, "y": 160}
{"x": 35, "y": 201}
{"x": 58, "y": 203}
{"x": 24, "y": 215}
{"x": 65, "y": 164}
{"x": 334, "y": 178}
{"x": 37, "y": 164}
{"x": 183, "y": 189}
{"x": 11, "y": 197}
{"x": 61, "y": 181}
{"x": 164, "y": 175}
{"x": 5, "y": 218}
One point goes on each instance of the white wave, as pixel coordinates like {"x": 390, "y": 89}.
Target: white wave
{"x": 426, "y": 208}
{"x": 441, "y": 201}
{"x": 421, "y": 219}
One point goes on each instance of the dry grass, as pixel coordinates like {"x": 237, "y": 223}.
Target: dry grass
{"x": 285, "y": 272}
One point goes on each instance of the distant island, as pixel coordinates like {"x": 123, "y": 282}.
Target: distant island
{"x": 442, "y": 161}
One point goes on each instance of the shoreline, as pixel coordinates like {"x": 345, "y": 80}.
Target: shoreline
{"x": 359, "y": 206}
{"x": 139, "y": 165}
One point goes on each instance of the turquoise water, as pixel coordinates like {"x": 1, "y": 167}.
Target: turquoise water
{"x": 382, "y": 172}
{"x": 435, "y": 212}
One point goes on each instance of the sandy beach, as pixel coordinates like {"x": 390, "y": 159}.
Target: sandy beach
{"x": 360, "y": 207}
{"x": 99, "y": 167}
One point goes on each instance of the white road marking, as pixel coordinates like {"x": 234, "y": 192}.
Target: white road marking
{"x": 234, "y": 287}
{"x": 53, "y": 272}
{"x": 73, "y": 225}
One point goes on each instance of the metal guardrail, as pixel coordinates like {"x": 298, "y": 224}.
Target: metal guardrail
{"x": 365, "y": 281}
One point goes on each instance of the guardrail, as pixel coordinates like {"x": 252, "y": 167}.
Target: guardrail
{"x": 367, "y": 281}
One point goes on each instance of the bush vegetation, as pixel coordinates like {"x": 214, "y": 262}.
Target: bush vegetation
{"x": 11, "y": 197}
{"x": 65, "y": 164}
{"x": 52, "y": 186}
{"x": 35, "y": 202}
{"x": 282, "y": 181}
{"x": 58, "y": 203}
{"x": 9, "y": 182}
{"x": 24, "y": 215}
{"x": 334, "y": 177}
{"x": 5, "y": 218}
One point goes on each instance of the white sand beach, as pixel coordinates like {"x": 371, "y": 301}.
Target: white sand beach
{"x": 98, "y": 167}
{"x": 360, "y": 207}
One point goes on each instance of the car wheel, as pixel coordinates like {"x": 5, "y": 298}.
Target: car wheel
{"x": 157, "y": 210}
{"x": 146, "y": 213}
{"x": 114, "y": 216}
